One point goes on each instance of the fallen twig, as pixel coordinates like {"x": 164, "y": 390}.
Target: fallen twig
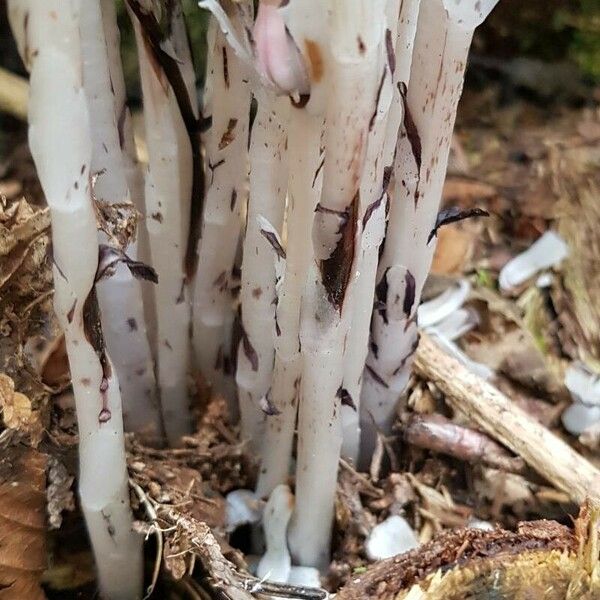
{"x": 435, "y": 432}
{"x": 495, "y": 414}
{"x": 233, "y": 584}
{"x": 14, "y": 93}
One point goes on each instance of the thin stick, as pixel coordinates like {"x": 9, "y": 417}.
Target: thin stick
{"x": 231, "y": 583}
{"x": 14, "y": 93}
{"x": 495, "y": 414}
{"x": 156, "y": 530}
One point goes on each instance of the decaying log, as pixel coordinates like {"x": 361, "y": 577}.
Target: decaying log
{"x": 503, "y": 420}
{"x": 542, "y": 559}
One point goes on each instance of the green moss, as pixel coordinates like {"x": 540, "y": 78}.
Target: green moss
{"x": 483, "y": 278}
{"x": 585, "y": 45}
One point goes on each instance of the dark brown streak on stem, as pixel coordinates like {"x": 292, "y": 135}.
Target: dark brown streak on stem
{"x": 345, "y": 398}
{"x": 409, "y": 125}
{"x": 151, "y": 31}
{"x": 381, "y": 294}
{"x": 92, "y": 327}
{"x": 376, "y": 376}
{"x": 409, "y": 293}
{"x": 377, "y": 98}
{"x": 337, "y": 269}
{"x": 225, "y": 67}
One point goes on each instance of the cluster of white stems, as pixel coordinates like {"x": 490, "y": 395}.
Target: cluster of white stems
{"x": 287, "y": 227}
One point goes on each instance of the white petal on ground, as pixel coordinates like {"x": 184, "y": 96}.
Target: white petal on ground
{"x": 478, "y": 368}
{"x": 479, "y": 524}
{"x": 242, "y": 507}
{"x": 445, "y": 304}
{"x": 391, "y": 537}
{"x": 545, "y": 280}
{"x": 579, "y": 417}
{"x": 544, "y": 253}
{"x": 583, "y": 384}
{"x": 456, "y": 324}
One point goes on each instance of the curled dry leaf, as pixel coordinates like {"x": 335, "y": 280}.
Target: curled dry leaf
{"x": 59, "y": 492}
{"x": 118, "y": 221}
{"x": 17, "y": 411}
{"x": 54, "y": 364}
{"x": 22, "y": 523}
{"x": 21, "y": 226}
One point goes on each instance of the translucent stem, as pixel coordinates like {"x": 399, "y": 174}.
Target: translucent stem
{"x": 61, "y": 144}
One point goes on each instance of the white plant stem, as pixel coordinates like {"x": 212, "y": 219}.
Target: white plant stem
{"x": 401, "y": 23}
{"x": 61, "y": 144}
{"x": 443, "y": 37}
{"x": 167, "y": 193}
{"x": 405, "y": 36}
{"x": 226, "y": 148}
{"x": 120, "y": 296}
{"x": 268, "y": 186}
{"x": 356, "y": 32}
{"x": 133, "y": 169}
{"x": 304, "y": 157}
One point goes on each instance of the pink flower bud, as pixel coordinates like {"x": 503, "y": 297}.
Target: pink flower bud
{"x": 278, "y": 59}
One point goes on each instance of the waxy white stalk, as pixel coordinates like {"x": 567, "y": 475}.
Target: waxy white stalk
{"x": 304, "y": 186}
{"x": 356, "y": 32}
{"x": 307, "y": 36}
{"x": 133, "y": 171}
{"x": 227, "y": 100}
{"x": 405, "y": 36}
{"x": 261, "y": 254}
{"x": 401, "y": 21}
{"x": 168, "y": 193}
{"x": 276, "y": 563}
{"x": 61, "y": 144}
{"x": 120, "y": 296}
{"x": 444, "y": 32}
{"x": 133, "y": 168}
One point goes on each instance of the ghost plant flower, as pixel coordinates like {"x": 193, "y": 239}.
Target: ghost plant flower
{"x": 401, "y": 23}
{"x": 262, "y": 255}
{"x": 329, "y": 198}
{"x": 303, "y": 191}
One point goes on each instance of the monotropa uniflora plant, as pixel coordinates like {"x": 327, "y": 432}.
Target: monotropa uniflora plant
{"x": 276, "y": 240}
